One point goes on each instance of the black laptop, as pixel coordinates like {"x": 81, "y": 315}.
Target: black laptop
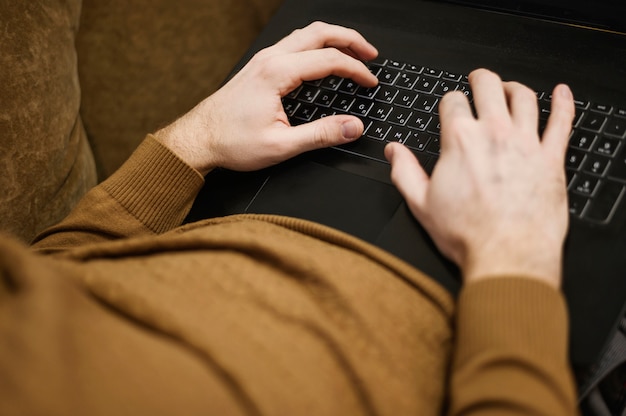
{"x": 426, "y": 48}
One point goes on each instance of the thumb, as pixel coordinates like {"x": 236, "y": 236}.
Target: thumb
{"x": 325, "y": 132}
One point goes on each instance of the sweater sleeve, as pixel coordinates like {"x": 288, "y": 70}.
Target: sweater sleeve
{"x": 511, "y": 354}
{"x": 150, "y": 194}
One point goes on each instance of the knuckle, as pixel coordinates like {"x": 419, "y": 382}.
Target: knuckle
{"x": 455, "y": 129}
{"x": 295, "y": 32}
{"x": 264, "y": 62}
{"x": 317, "y": 27}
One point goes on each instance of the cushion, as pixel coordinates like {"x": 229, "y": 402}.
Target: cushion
{"x": 143, "y": 63}
{"x": 46, "y": 162}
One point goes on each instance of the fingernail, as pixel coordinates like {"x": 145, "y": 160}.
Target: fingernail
{"x": 564, "y": 91}
{"x": 350, "y": 130}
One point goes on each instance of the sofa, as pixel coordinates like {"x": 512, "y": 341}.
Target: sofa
{"x": 83, "y": 81}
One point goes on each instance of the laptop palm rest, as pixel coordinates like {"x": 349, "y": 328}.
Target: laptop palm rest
{"x": 354, "y": 204}
{"x": 404, "y": 237}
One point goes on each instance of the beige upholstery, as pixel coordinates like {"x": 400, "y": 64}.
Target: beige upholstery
{"x": 120, "y": 68}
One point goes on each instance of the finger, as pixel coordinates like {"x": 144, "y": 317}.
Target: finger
{"x": 453, "y": 109}
{"x": 522, "y": 106}
{"x": 408, "y": 176}
{"x": 557, "y": 132}
{"x": 325, "y": 132}
{"x": 319, "y": 35}
{"x": 488, "y": 92}
{"x": 317, "y": 64}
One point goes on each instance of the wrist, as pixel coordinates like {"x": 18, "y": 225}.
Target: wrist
{"x": 541, "y": 262}
{"x": 188, "y": 137}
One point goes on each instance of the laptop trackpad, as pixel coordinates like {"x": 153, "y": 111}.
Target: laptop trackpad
{"x": 311, "y": 191}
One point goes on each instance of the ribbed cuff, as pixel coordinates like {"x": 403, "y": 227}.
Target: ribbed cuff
{"x": 515, "y": 314}
{"x": 155, "y": 186}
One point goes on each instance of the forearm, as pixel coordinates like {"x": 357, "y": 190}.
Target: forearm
{"x": 150, "y": 194}
{"x": 511, "y": 351}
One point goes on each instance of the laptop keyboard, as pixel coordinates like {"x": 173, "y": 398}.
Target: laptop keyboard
{"x": 404, "y": 108}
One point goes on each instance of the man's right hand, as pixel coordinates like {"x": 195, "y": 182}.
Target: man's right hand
{"x": 496, "y": 203}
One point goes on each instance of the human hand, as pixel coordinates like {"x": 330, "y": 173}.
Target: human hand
{"x": 496, "y": 203}
{"x": 243, "y": 125}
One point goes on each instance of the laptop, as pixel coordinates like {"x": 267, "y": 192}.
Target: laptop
{"x": 435, "y": 43}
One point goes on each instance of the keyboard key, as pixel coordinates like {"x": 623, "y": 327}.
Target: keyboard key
{"x": 290, "y": 106}
{"x": 581, "y": 104}
{"x": 399, "y": 116}
{"x": 466, "y": 90}
{"x": 414, "y": 68}
{"x": 325, "y": 112}
{"x": 417, "y": 140}
{"x": 395, "y": 64}
{"x": 405, "y": 98}
{"x": 386, "y": 94}
{"x": 348, "y": 86}
{"x": 388, "y": 76}
{"x": 325, "y": 98}
{"x": 451, "y": 76}
{"x": 577, "y": 204}
{"x": 331, "y": 82}
{"x": 585, "y": 185}
{"x": 361, "y": 106}
{"x": 618, "y": 167}
{"x": 374, "y": 69}
{"x": 434, "y": 146}
{"x": 378, "y": 130}
{"x": 434, "y": 126}
{"x": 425, "y": 103}
{"x": 367, "y": 92}
{"x": 342, "y": 102}
{"x": 308, "y": 93}
{"x": 406, "y": 80}
{"x": 419, "y": 121}
{"x": 425, "y": 84}
{"x": 574, "y": 159}
{"x": 444, "y": 87}
{"x": 604, "y": 204}
{"x": 596, "y": 164}
{"x": 380, "y": 111}
{"x": 582, "y": 139}
{"x": 378, "y": 61}
{"x": 602, "y": 108}
{"x": 305, "y": 112}
{"x": 433, "y": 72}
{"x": 620, "y": 112}
{"x": 397, "y": 134}
{"x": 616, "y": 127}
{"x": 593, "y": 121}
{"x": 607, "y": 146}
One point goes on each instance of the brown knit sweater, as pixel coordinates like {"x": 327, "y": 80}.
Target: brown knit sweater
{"x": 117, "y": 311}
